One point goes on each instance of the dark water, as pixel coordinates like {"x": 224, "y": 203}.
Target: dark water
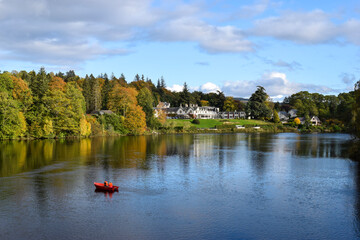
{"x": 232, "y": 186}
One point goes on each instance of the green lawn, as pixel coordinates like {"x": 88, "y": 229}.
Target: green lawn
{"x": 211, "y": 123}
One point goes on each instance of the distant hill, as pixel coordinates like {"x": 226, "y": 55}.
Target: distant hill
{"x": 244, "y": 100}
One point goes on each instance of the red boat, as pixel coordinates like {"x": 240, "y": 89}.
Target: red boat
{"x": 101, "y": 187}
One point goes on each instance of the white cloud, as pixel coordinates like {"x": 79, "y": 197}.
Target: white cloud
{"x": 176, "y": 88}
{"x": 84, "y": 29}
{"x": 276, "y": 85}
{"x": 351, "y": 31}
{"x": 70, "y": 32}
{"x": 209, "y": 87}
{"x": 249, "y": 11}
{"x": 213, "y": 39}
{"x": 302, "y": 27}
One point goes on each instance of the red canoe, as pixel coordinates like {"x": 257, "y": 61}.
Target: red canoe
{"x": 100, "y": 186}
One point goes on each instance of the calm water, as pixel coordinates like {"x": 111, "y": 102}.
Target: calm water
{"x": 210, "y": 186}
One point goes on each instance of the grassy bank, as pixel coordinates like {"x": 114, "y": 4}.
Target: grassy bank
{"x": 229, "y": 125}
{"x": 214, "y": 123}
{"x": 222, "y": 126}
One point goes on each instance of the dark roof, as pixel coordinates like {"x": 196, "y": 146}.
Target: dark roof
{"x": 102, "y": 112}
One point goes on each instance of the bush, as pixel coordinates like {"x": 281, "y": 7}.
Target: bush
{"x": 196, "y": 121}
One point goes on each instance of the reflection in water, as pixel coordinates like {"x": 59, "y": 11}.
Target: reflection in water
{"x": 225, "y": 186}
{"x": 108, "y": 195}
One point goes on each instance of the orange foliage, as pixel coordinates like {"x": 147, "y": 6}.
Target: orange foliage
{"x": 121, "y": 98}
{"x": 57, "y": 83}
{"x": 21, "y": 89}
{"x": 135, "y": 120}
{"x": 101, "y": 82}
{"x": 297, "y": 121}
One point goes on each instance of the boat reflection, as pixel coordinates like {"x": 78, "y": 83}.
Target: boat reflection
{"x": 106, "y": 193}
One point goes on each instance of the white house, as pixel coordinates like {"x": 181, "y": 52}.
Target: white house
{"x": 315, "y": 121}
{"x": 283, "y": 116}
{"x": 293, "y": 113}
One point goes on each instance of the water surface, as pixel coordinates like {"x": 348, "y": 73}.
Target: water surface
{"x": 205, "y": 186}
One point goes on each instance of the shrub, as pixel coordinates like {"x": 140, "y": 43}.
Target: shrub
{"x": 196, "y": 121}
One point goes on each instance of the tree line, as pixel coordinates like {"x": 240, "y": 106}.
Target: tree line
{"x": 44, "y": 105}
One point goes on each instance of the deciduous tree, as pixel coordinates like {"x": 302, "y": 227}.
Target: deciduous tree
{"x": 121, "y": 99}
{"x": 135, "y": 120}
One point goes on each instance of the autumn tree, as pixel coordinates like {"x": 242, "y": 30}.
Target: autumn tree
{"x": 57, "y": 83}
{"x": 230, "y": 104}
{"x": 135, "y": 121}
{"x": 204, "y": 103}
{"x": 121, "y": 99}
{"x": 22, "y": 93}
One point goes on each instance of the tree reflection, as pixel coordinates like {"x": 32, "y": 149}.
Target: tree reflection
{"x": 357, "y": 199}
{"x": 320, "y": 146}
{"x": 259, "y": 144}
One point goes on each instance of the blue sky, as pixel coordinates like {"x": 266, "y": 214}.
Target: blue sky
{"x": 232, "y": 46}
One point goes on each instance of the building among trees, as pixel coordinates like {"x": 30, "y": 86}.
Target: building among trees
{"x": 194, "y": 111}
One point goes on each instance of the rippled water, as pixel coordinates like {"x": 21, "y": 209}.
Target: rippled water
{"x": 206, "y": 186}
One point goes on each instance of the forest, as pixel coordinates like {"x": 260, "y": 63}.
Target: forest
{"x": 55, "y": 105}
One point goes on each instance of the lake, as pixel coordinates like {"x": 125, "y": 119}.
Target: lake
{"x": 202, "y": 186}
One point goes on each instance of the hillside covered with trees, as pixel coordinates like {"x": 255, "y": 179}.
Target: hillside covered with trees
{"x": 47, "y": 105}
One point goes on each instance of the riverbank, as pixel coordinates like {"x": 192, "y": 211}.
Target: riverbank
{"x": 238, "y": 125}
{"x": 176, "y": 126}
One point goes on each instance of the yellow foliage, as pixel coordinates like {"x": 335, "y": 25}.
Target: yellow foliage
{"x": 161, "y": 116}
{"x": 48, "y": 127}
{"x": 297, "y": 121}
{"x": 85, "y": 127}
{"x": 135, "y": 120}
{"x": 22, "y": 123}
{"x": 204, "y": 103}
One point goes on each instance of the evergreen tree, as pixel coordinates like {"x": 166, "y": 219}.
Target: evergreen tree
{"x": 256, "y": 106}
{"x": 162, "y": 82}
{"x": 39, "y": 84}
{"x": 185, "y": 95}
{"x": 105, "y": 93}
{"x": 145, "y": 100}
{"x": 92, "y": 93}
{"x": 136, "y": 78}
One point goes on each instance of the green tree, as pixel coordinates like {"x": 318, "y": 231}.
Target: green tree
{"x": 92, "y": 93}
{"x": 12, "y": 121}
{"x": 216, "y": 99}
{"x": 276, "y": 117}
{"x": 185, "y": 95}
{"x": 65, "y": 109}
{"x": 230, "y": 104}
{"x": 146, "y": 101}
{"x": 39, "y": 84}
{"x": 256, "y": 106}
{"x": 344, "y": 110}
{"x": 6, "y": 83}
{"x": 356, "y": 109}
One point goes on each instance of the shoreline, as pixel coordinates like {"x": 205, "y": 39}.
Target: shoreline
{"x": 263, "y": 129}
